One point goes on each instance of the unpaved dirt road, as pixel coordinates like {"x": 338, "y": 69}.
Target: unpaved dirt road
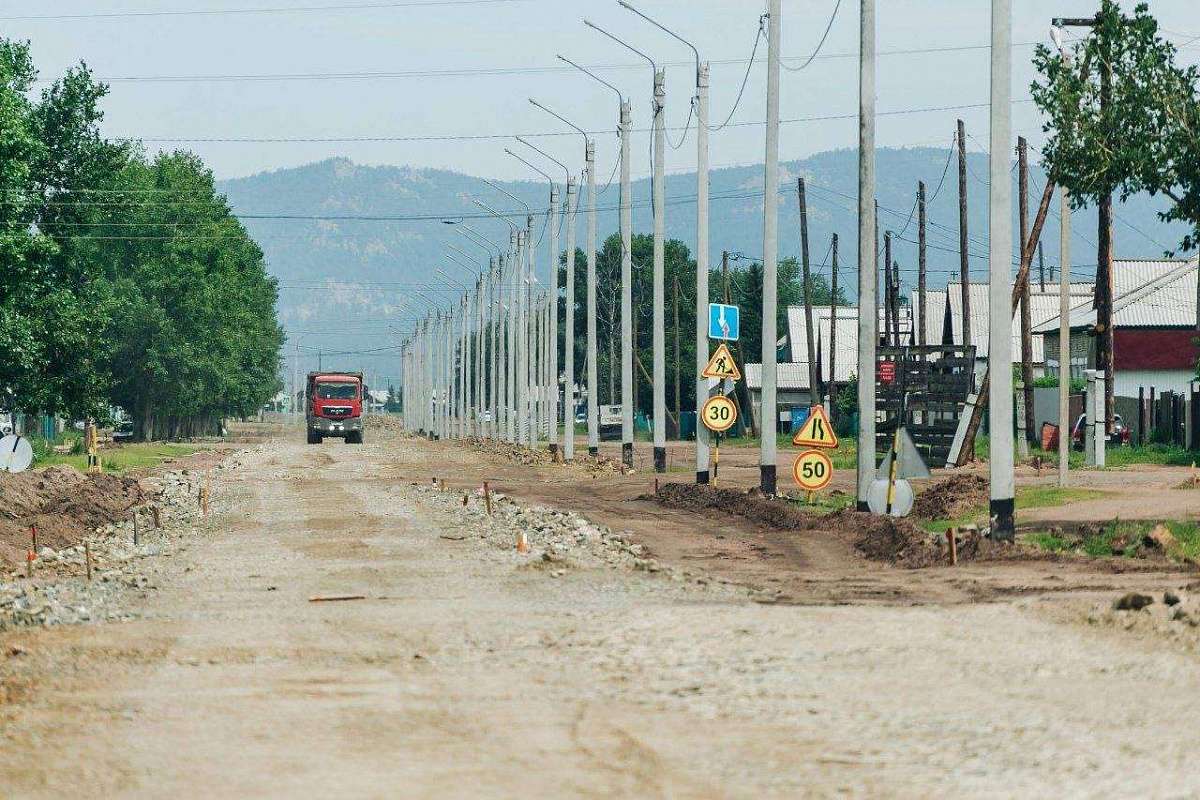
{"x": 470, "y": 671}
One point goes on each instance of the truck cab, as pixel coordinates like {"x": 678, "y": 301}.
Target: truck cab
{"x": 335, "y": 406}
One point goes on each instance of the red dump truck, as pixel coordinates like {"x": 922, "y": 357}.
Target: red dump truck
{"x": 335, "y": 406}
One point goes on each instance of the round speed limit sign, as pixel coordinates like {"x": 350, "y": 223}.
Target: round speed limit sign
{"x": 719, "y": 414}
{"x": 813, "y": 470}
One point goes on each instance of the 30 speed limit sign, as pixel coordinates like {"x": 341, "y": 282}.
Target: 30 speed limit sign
{"x": 813, "y": 470}
{"x": 719, "y": 414}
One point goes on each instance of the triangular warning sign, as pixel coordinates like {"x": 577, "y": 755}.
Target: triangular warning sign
{"x": 816, "y": 431}
{"x": 722, "y": 365}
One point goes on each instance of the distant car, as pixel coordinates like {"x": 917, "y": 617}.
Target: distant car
{"x": 123, "y": 432}
{"x": 485, "y": 415}
{"x": 580, "y": 417}
{"x": 1121, "y": 435}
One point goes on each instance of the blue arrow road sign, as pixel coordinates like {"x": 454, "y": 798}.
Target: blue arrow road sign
{"x": 723, "y": 322}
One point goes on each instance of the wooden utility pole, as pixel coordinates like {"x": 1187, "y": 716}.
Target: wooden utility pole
{"x": 833, "y": 301}
{"x": 968, "y": 447}
{"x": 1042, "y": 268}
{"x": 676, "y": 312}
{"x": 964, "y": 266}
{"x": 1026, "y": 314}
{"x": 741, "y": 390}
{"x": 921, "y": 263}
{"x": 895, "y": 304}
{"x": 814, "y": 383}
{"x": 887, "y": 287}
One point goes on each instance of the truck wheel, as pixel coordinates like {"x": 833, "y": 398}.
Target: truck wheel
{"x": 314, "y": 438}
{"x": 354, "y": 437}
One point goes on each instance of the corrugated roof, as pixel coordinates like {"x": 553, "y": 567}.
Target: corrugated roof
{"x": 1043, "y": 306}
{"x": 846, "y": 363}
{"x": 1146, "y": 294}
{"x": 935, "y": 314}
{"x": 790, "y": 376}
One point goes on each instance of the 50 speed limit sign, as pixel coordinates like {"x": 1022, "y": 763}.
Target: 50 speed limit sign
{"x": 813, "y": 470}
{"x": 719, "y": 414}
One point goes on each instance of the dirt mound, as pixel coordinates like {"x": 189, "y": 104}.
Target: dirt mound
{"x": 951, "y": 497}
{"x": 878, "y": 538}
{"x": 63, "y": 503}
{"x": 752, "y": 505}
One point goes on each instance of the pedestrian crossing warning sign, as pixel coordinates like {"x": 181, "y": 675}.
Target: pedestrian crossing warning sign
{"x": 816, "y": 431}
{"x": 721, "y": 365}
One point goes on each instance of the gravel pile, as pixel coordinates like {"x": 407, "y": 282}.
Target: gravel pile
{"x": 59, "y": 593}
{"x": 557, "y": 540}
{"x": 518, "y": 454}
{"x": 1174, "y": 614}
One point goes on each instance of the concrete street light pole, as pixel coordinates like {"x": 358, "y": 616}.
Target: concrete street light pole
{"x": 525, "y": 267}
{"x": 767, "y": 409}
{"x": 549, "y": 336}
{"x": 514, "y": 415}
{"x": 659, "y": 389}
{"x": 1000, "y": 394}
{"x": 625, "y": 126}
{"x": 568, "y": 341}
{"x": 702, "y": 244}
{"x": 590, "y": 160}
{"x": 868, "y": 314}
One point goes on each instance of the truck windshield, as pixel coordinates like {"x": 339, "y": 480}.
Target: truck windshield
{"x": 337, "y": 391}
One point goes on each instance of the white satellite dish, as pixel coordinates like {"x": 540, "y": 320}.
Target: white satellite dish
{"x": 16, "y": 454}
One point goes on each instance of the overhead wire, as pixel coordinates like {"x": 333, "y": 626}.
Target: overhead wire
{"x": 837, "y": 6}
{"x": 206, "y": 12}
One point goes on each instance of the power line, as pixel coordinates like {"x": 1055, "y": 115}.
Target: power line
{"x": 214, "y": 12}
{"x": 548, "y": 134}
{"x": 837, "y": 6}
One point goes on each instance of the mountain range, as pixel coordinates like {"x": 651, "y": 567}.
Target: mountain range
{"x": 352, "y": 244}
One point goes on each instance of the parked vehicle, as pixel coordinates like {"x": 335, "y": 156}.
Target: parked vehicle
{"x": 610, "y": 423}
{"x": 1121, "y": 435}
{"x": 123, "y": 432}
{"x": 335, "y": 406}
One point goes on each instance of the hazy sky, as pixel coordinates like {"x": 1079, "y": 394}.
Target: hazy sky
{"x": 514, "y": 43}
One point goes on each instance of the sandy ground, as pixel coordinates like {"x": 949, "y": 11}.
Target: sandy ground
{"x": 467, "y": 673}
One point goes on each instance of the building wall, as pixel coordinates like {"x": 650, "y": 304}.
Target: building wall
{"x": 1154, "y": 349}
{"x": 1127, "y": 382}
{"x": 1081, "y": 352}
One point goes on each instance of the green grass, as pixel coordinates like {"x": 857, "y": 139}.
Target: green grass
{"x": 1027, "y": 497}
{"x": 1121, "y": 539}
{"x": 823, "y": 502}
{"x": 125, "y": 458}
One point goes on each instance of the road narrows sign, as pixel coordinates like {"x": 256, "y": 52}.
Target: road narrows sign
{"x": 722, "y": 365}
{"x": 719, "y": 414}
{"x": 812, "y": 471}
{"x": 816, "y": 431}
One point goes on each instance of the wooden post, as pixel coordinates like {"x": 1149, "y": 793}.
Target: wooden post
{"x": 963, "y": 257}
{"x": 833, "y": 328}
{"x": 156, "y": 513}
{"x": 87, "y": 558}
{"x": 487, "y": 497}
{"x": 921, "y": 263}
{"x": 887, "y": 287}
{"x": 1026, "y": 314}
{"x": 952, "y": 541}
{"x": 1042, "y": 267}
{"x": 135, "y": 529}
{"x": 1141, "y": 434}
{"x": 1153, "y": 417}
{"x": 814, "y": 382}
{"x": 678, "y": 419}
{"x": 33, "y": 538}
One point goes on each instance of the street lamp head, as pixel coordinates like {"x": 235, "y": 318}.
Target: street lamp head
{"x": 1056, "y": 34}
